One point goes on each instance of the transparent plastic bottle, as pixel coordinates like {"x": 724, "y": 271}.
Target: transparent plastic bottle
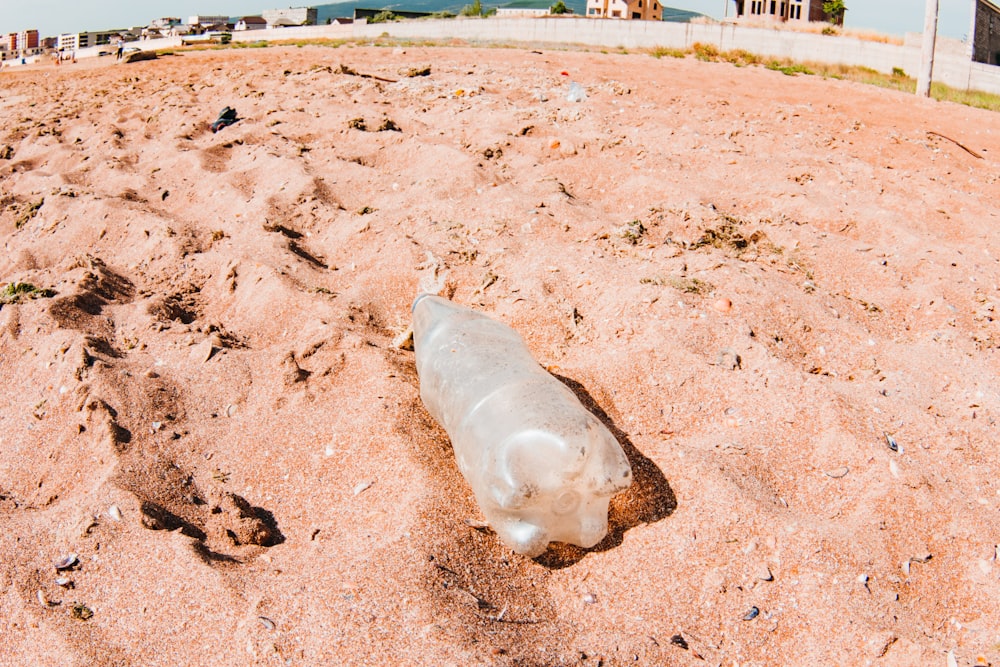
{"x": 542, "y": 467}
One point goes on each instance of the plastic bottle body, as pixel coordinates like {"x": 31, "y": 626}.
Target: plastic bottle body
{"x": 541, "y": 466}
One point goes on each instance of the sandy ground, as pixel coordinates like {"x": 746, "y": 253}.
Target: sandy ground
{"x": 779, "y": 292}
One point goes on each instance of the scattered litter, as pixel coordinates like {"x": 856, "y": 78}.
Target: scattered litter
{"x": 576, "y": 92}
{"x": 363, "y": 486}
{"x": 226, "y": 118}
{"x": 753, "y": 613}
{"x": 66, "y": 562}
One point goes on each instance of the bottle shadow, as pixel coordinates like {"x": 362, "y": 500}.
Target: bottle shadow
{"x": 647, "y": 500}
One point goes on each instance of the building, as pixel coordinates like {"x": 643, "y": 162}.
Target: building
{"x": 523, "y": 8}
{"x": 251, "y": 23}
{"x": 203, "y": 20}
{"x": 648, "y": 10}
{"x": 164, "y": 23}
{"x": 74, "y": 41}
{"x": 986, "y": 36}
{"x": 291, "y": 16}
{"x": 27, "y": 40}
{"x": 24, "y": 42}
{"x": 783, "y": 10}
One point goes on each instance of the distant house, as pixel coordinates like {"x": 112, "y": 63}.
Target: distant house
{"x": 165, "y": 22}
{"x": 783, "y": 10}
{"x": 522, "y": 8}
{"x": 292, "y": 16}
{"x": 648, "y": 10}
{"x": 251, "y": 23}
{"x": 203, "y": 20}
{"x": 986, "y": 38}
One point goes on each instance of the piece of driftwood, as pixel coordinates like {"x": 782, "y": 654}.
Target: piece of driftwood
{"x": 344, "y": 69}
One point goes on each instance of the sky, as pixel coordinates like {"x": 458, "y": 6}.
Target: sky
{"x": 51, "y": 17}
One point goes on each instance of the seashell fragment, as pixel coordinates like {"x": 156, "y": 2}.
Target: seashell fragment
{"x": 65, "y": 582}
{"x": 837, "y": 473}
{"x": 266, "y": 622}
{"x": 753, "y": 613}
{"x": 115, "y": 513}
{"x": 66, "y": 562}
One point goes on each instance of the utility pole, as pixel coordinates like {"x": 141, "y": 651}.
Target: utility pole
{"x": 972, "y": 30}
{"x": 927, "y": 52}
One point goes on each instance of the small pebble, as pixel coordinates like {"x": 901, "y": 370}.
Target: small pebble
{"x": 115, "y": 513}
{"x": 862, "y": 578}
{"x": 65, "y": 582}
{"x": 723, "y": 305}
{"x": 590, "y": 598}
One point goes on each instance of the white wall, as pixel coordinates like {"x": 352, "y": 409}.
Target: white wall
{"x": 952, "y": 65}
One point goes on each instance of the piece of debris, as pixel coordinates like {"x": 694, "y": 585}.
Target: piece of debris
{"x": 81, "y": 612}
{"x": 419, "y": 71}
{"x": 957, "y": 143}
{"x": 226, "y": 118}
{"x": 753, "y": 613}
{"x": 893, "y": 445}
{"x": 344, "y": 69}
{"x": 362, "y": 487}
{"x": 678, "y": 640}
